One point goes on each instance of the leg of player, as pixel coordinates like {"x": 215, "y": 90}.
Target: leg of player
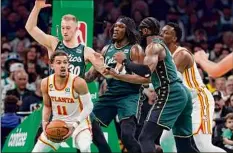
{"x": 98, "y": 138}
{"x": 149, "y": 134}
{"x": 45, "y": 145}
{"x": 128, "y": 128}
{"x": 165, "y": 137}
{"x": 83, "y": 141}
{"x": 204, "y": 143}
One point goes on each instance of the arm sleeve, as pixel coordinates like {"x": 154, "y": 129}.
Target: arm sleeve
{"x": 87, "y": 106}
{"x": 139, "y": 69}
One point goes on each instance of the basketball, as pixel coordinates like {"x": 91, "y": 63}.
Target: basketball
{"x": 56, "y": 130}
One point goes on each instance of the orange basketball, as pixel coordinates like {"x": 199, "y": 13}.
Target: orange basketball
{"x": 56, "y": 130}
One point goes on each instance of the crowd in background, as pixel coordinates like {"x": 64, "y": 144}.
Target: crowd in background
{"x": 206, "y": 24}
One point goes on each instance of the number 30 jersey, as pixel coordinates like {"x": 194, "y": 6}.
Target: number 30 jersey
{"x": 66, "y": 104}
{"x": 76, "y": 58}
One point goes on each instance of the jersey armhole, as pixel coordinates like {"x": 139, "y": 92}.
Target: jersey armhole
{"x": 59, "y": 42}
{"x": 106, "y": 50}
{"x": 72, "y": 89}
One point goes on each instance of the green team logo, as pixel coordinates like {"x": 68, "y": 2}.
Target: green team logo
{"x": 67, "y": 90}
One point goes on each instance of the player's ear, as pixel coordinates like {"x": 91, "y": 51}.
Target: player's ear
{"x": 52, "y": 66}
{"x": 174, "y": 39}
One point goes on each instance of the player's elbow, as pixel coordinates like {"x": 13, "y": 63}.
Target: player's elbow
{"x": 28, "y": 27}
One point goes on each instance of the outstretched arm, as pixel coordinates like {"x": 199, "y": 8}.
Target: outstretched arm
{"x": 80, "y": 86}
{"x": 31, "y": 26}
{"x": 214, "y": 69}
{"x": 97, "y": 61}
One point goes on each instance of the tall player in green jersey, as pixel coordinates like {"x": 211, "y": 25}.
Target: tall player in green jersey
{"x": 121, "y": 97}
{"x": 78, "y": 54}
{"x": 174, "y": 106}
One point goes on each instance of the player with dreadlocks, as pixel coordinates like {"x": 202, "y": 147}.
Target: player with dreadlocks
{"x": 121, "y": 97}
{"x": 174, "y": 105}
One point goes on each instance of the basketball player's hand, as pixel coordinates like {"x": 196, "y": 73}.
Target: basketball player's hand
{"x": 119, "y": 57}
{"x": 71, "y": 130}
{"x": 100, "y": 59}
{"x": 44, "y": 125}
{"x": 41, "y": 4}
{"x": 110, "y": 72}
{"x": 200, "y": 56}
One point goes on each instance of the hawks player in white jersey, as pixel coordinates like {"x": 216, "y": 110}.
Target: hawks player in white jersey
{"x": 203, "y": 102}
{"x": 66, "y": 96}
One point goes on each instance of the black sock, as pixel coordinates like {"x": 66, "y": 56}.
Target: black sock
{"x": 184, "y": 145}
{"x": 99, "y": 139}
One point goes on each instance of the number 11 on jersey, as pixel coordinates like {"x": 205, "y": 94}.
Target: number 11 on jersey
{"x": 61, "y": 110}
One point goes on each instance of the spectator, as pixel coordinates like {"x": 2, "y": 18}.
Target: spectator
{"x": 23, "y": 12}
{"x": 21, "y": 80}
{"x": 228, "y": 133}
{"x": 229, "y": 101}
{"x": 137, "y": 17}
{"x": 226, "y": 19}
{"x": 224, "y": 52}
{"x": 9, "y": 120}
{"x": 229, "y": 86}
{"x": 216, "y": 52}
{"x": 4, "y": 55}
{"x": 12, "y": 24}
{"x": 220, "y": 85}
{"x": 220, "y": 110}
{"x": 33, "y": 101}
{"x": 211, "y": 85}
{"x": 210, "y": 20}
{"x": 227, "y": 39}
{"x": 9, "y": 81}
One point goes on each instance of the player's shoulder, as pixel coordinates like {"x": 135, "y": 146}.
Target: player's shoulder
{"x": 78, "y": 80}
{"x": 136, "y": 47}
{"x": 45, "y": 80}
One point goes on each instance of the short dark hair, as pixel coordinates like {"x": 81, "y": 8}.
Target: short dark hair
{"x": 57, "y": 53}
{"x": 177, "y": 29}
{"x": 229, "y": 116}
{"x": 10, "y": 104}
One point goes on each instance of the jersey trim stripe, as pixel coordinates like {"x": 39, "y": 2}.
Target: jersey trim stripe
{"x": 205, "y": 100}
{"x": 194, "y": 78}
{"x": 187, "y": 79}
{"x": 207, "y": 112}
{"x": 202, "y": 112}
{"x": 72, "y": 92}
{"x": 64, "y": 85}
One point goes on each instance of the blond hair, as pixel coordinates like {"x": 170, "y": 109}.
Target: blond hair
{"x": 69, "y": 17}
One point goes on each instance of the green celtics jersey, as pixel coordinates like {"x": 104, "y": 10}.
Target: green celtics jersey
{"x": 165, "y": 72}
{"x": 76, "y": 58}
{"x": 117, "y": 87}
